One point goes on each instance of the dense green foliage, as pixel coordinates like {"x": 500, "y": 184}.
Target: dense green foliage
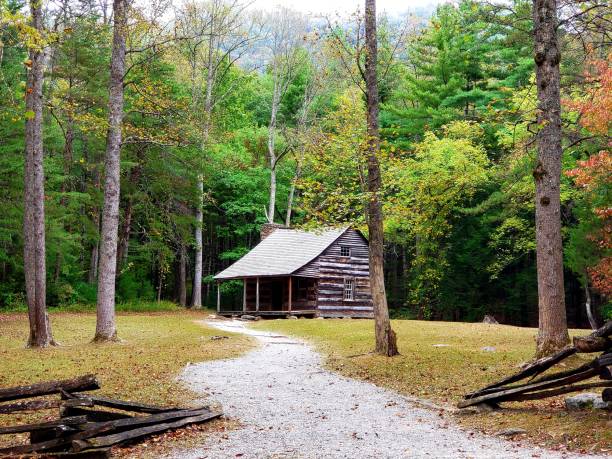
{"x": 457, "y": 124}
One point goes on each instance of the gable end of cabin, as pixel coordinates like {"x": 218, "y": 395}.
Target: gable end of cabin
{"x": 344, "y": 278}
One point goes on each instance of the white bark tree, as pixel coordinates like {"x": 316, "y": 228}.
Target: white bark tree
{"x": 316, "y": 84}
{"x": 286, "y": 34}
{"x": 212, "y": 36}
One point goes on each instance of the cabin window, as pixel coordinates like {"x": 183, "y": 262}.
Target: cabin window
{"x": 345, "y": 251}
{"x": 349, "y": 288}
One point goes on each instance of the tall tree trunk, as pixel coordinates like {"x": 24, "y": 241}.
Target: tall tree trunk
{"x": 386, "y": 343}
{"x": 93, "y": 263}
{"x": 196, "y": 294}
{"x": 160, "y": 282}
{"x": 105, "y": 323}
{"x": 552, "y": 333}
{"x": 124, "y": 234}
{"x": 588, "y": 304}
{"x": 95, "y": 250}
{"x": 301, "y": 128}
{"x": 68, "y": 156}
{"x": 182, "y": 287}
{"x": 34, "y": 196}
{"x": 272, "y": 152}
{"x": 298, "y": 173}
{"x": 66, "y": 186}
{"x": 126, "y": 227}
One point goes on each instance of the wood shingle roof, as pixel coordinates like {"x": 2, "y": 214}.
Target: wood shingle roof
{"x": 281, "y": 253}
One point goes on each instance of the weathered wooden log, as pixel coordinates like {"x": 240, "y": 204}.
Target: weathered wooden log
{"x": 595, "y": 363}
{"x": 606, "y": 330}
{"x": 587, "y": 344}
{"x": 68, "y": 421}
{"x": 36, "y": 405}
{"x": 44, "y": 446}
{"x": 605, "y": 373}
{"x": 541, "y": 365}
{"x": 82, "y": 383}
{"x": 558, "y": 391}
{"x": 97, "y": 428}
{"x": 75, "y": 402}
{"x": 126, "y": 405}
{"x": 92, "y": 415}
{"x": 120, "y": 425}
{"x": 38, "y": 436}
{"x": 606, "y": 395}
{"x": 128, "y": 435}
{"x": 506, "y": 394}
{"x": 537, "y": 367}
{"x": 32, "y": 405}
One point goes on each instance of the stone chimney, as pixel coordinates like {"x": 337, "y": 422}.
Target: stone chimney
{"x": 269, "y": 228}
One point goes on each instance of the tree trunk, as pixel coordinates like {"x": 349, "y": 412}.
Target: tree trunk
{"x": 300, "y": 160}
{"x": 126, "y": 228}
{"x": 68, "y": 157}
{"x": 196, "y": 294}
{"x": 93, "y": 264}
{"x": 196, "y": 297}
{"x": 298, "y": 173}
{"x": 66, "y": 185}
{"x": 95, "y": 250}
{"x": 272, "y": 152}
{"x": 124, "y": 236}
{"x": 105, "y": 323}
{"x": 552, "y": 333}
{"x": 160, "y": 283}
{"x": 34, "y": 196}
{"x": 588, "y": 305}
{"x": 385, "y": 336}
{"x": 182, "y": 287}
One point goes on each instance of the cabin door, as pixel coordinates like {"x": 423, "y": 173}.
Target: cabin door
{"x": 278, "y": 290}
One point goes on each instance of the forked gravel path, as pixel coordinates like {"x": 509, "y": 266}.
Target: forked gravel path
{"x": 289, "y": 406}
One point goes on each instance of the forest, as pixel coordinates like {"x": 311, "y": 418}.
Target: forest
{"x": 216, "y": 117}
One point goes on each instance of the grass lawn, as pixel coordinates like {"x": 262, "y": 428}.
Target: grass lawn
{"x": 444, "y": 373}
{"x": 143, "y": 366}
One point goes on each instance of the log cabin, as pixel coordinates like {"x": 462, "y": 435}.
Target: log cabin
{"x": 321, "y": 273}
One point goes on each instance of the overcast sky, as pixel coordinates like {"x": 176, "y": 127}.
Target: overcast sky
{"x": 345, "y": 7}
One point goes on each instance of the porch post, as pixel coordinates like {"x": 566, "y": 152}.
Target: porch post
{"x": 218, "y": 297}
{"x": 290, "y": 293}
{"x": 257, "y": 295}
{"x": 244, "y": 289}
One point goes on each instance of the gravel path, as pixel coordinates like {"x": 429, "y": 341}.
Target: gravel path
{"x": 291, "y": 407}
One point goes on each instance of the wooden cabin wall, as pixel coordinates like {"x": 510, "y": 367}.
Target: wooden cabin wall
{"x": 333, "y": 268}
{"x": 265, "y": 294}
{"x": 310, "y": 302}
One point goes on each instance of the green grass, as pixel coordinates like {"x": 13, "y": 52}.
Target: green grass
{"x": 443, "y": 373}
{"x": 154, "y": 348}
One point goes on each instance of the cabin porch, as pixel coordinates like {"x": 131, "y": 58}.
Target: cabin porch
{"x": 276, "y": 296}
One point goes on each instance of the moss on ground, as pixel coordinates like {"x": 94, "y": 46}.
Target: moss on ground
{"x": 440, "y": 361}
